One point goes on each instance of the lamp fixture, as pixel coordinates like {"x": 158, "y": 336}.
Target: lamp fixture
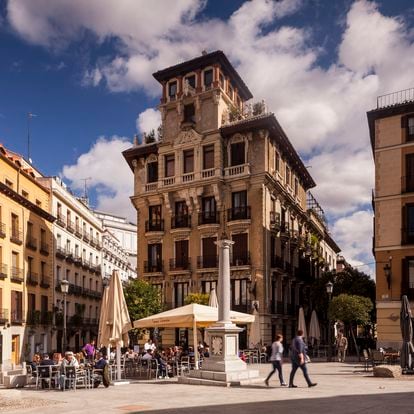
{"x": 388, "y": 272}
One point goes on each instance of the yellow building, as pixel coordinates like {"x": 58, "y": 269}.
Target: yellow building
{"x": 25, "y": 262}
{"x": 391, "y": 127}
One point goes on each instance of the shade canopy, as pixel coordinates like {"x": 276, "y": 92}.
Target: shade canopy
{"x": 185, "y": 316}
{"x": 115, "y": 321}
{"x": 314, "y": 329}
{"x": 302, "y": 323}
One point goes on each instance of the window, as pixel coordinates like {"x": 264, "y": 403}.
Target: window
{"x": 181, "y": 254}
{"x": 152, "y": 172}
{"x": 30, "y": 265}
{"x": 410, "y": 127}
{"x": 188, "y": 161}
{"x": 191, "y": 81}
{"x": 169, "y": 165}
{"x": 408, "y": 218}
{"x": 59, "y": 210}
{"x": 180, "y": 293}
{"x": 230, "y": 91}
{"x": 221, "y": 80}
{"x": 29, "y": 230}
{"x": 189, "y": 113}
{"x": 31, "y": 302}
{"x": 240, "y": 254}
{"x": 411, "y": 274}
{"x": 208, "y": 157}
{"x": 409, "y": 172}
{"x": 277, "y": 161}
{"x": 208, "y": 78}
{"x": 209, "y": 285}
{"x": 44, "y": 304}
{"x": 25, "y": 194}
{"x": 296, "y": 186}
{"x": 8, "y": 183}
{"x": 154, "y": 257}
{"x": 237, "y": 153}
{"x": 209, "y": 210}
{"x": 16, "y": 306}
{"x": 287, "y": 176}
{"x": 58, "y": 273}
{"x": 154, "y": 213}
{"x": 15, "y": 225}
{"x": 239, "y": 199}
{"x": 239, "y": 292}
{"x": 172, "y": 90}
{"x": 42, "y": 237}
{"x": 209, "y": 250}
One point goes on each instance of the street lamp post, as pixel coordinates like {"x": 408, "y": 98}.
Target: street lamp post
{"x": 329, "y": 289}
{"x": 64, "y": 287}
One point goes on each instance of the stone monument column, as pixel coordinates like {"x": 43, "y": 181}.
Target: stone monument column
{"x": 224, "y": 281}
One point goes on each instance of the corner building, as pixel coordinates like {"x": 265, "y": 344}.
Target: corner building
{"x": 224, "y": 167}
{"x": 391, "y": 128}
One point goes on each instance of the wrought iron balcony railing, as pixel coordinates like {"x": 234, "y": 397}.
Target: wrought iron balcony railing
{"x": 154, "y": 225}
{"x": 180, "y": 221}
{"x": 240, "y": 259}
{"x": 208, "y": 217}
{"x": 207, "y": 261}
{"x": 238, "y": 213}
{"x": 153, "y": 266}
{"x": 180, "y": 264}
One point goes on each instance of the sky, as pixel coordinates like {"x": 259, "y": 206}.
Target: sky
{"x": 84, "y": 68}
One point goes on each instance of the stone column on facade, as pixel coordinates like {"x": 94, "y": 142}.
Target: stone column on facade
{"x": 224, "y": 281}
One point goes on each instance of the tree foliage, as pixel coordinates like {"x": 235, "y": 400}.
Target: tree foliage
{"x": 200, "y": 298}
{"x": 351, "y": 309}
{"x": 142, "y": 299}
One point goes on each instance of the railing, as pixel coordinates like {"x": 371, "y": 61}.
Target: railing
{"x": 188, "y": 177}
{"x": 44, "y": 248}
{"x": 241, "y": 259}
{"x": 61, "y": 220}
{"x": 395, "y": 98}
{"x": 208, "y": 217}
{"x": 32, "y": 278}
{"x": 45, "y": 282}
{"x": 151, "y": 187}
{"x": 86, "y": 236}
{"x": 238, "y": 213}
{"x": 154, "y": 225}
{"x": 180, "y": 221}
{"x": 78, "y": 231}
{"x": 31, "y": 243}
{"x": 46, "y": 317}
{"x": 4, "y": 315}
{"x": 243, "y": 169}
{"x": 180, "y": 264}
{"x": 16, "y": 236}
{"x": 250, "y": 111}
{"x": 16, "y": 316}
{"x": 207, "y": 261}
{"x": 3, "y": 271}
{"x": 2, "y": 230}
{"x": 60, "y": 252}
{"x": 77, "y": 260}
{"x": 211, "y": 172}
{"x": 70, "y": 226}
{"x": 16, "y": 275}
{"x": 407, "y": 184}
{"x": 33, "y": 317}
{"x": 69, "y": 255}
{"x": 168, "y": 181}
{"x": 153, "y": 267}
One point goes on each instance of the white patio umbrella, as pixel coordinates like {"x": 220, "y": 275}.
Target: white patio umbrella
{"x": 302, "y": 323}
{"x": 115, "y": 322}
{"x": 314, "y": 329}
{"x": 213, "y": 301}
{"x": 103, "y": 330}
{"x": 254, "y": 337}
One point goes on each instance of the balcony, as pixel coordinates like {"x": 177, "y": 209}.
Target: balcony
{"x": 98, "y": 244}
{"x": 294, "y": 238}
{"x": 4, "y": 316}
{"x": 69, "y": 255}
{"x": 16, "y": 236}
{"x": 407, "y": 184}
{"x": 45, "y": 282}
{"x": 31, "y": 243}
{"x": 33, "y": 317}
{"x": 70, "y": 226}
{"x": 154, "y": 225}
{"x": 86, "y": 236}
{"x": 16, "y": 275}
{"x": 2, "y": 230}
{"x": 284, "y": 232}
{"x": 237, "y": 170}
{"x": 3, "y": 271}
{"x": 153, "y": 267}
{"x": 60, "y": 252}
{"x": 46, "y": 318}
{"x": 86, "y": 264}
{"x": 238, "y": 213}
{"x": 395, "y": 98}
{"x": 188, "y": 177}
{"x": 78, "y": 231}
{"x": 207, "y": 262}
{"x": 180, "y": 264}
{"x": 75, "y": 289}
{"x": 44, "y": 248}
{"x": 275, "y": 221}
{"x": 16, "y": 317}
{"x": 181, "y": 221}
{"x": 151, "y": 187}
{"x": 60, "y": 220}
{"x": 32, "y": 279}
{"x": 208, "y": 217}
{"x": 241, "y": 259}
{"x": 77, "y": 260}
{"x": 211, "y": 172}
{"x": 168, "y": 181}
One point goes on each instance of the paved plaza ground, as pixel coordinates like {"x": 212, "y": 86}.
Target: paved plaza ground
{"x": 342, "y": 388}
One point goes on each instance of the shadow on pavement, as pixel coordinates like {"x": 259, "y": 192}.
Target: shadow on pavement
{"x": 381, "y": 403}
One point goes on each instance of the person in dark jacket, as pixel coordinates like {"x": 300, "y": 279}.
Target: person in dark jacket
{"x": 298, "y": 357}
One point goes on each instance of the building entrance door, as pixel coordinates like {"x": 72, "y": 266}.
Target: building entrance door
{"x": 15, "y": 349}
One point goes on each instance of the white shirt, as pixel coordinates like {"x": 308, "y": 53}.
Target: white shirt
{"x": 277, "y": 351}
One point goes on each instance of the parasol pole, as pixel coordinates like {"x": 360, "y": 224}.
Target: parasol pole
{"x": 118, "y": 360}
{"x": 195, "y": 342}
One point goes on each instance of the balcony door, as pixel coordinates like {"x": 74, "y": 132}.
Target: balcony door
{"x": 240, "y": 255}
{"x": 209, "y": 210}
{"x": 409, "y": 171}
{"x": 181, "y": 254}
{"x": 180, "y": 293}
{"x": 408, "y": 217}
{"x": 154, "y": 255}
{"x": 239, "y": 205}
{"x": 181, "y": 214}
{"x": 237, "y": 154}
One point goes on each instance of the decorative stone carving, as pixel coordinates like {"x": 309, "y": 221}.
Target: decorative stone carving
{"x": 188, "y": 136}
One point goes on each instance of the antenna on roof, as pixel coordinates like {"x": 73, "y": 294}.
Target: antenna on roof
{"x": 85, "y": 198}
{"x": 29, "y": 117}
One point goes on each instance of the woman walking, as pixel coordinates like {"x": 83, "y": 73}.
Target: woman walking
{"x": 277, "y": 359}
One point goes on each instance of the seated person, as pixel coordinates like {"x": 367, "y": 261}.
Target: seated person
{"x": 46, "y": 361}
{"x": 35, "y": 362}
{"x": 68, "y": 361}
{"x": 57, "y": 358}
{"x": 162, "y": 364}
{"x": 102, "y": 375}
{"x": 148, "y": 354}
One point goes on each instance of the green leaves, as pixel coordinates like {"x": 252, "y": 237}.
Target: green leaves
{"x": 200, "y": 298}
{"x": 351, "y": 309}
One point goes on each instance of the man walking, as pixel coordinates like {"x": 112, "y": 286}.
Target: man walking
{"x": 298, "y": 354}
{"x": 341, "y": 344}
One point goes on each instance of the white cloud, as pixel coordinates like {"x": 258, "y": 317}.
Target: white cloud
{"x": 148, "y": 120}
{"x": 110, "y": 175}
{"x": 322, "y": 109}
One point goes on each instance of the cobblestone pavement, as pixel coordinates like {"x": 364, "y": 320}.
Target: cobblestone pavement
{"x": 342, "y": 388}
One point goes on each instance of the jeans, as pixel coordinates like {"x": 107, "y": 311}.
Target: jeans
{"x": 295, "y": 366}
{"x": 341, "y": 354}
{"x": 277, "y": 365}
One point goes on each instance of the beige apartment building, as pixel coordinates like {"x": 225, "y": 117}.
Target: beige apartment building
{"x": 391, "y": 127}
{"x": 224, "y": 167}
{"x": 26, "y": 259}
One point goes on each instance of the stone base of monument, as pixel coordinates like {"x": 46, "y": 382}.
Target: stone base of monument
{"x": 223, "y": 367}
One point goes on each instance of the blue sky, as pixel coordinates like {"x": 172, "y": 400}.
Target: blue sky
{"x": 319, "y": 64}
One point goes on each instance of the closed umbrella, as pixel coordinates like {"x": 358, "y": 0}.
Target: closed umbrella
{"x": 116, "y": 322}
{"x": 254, "y": 337}
{"x": 212, "y": 301}
{"x": 314, "y": 329}
{"x": 103, "y": 330}
{"x": 302, "y": 323}
{"x": 406, "y": 325}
